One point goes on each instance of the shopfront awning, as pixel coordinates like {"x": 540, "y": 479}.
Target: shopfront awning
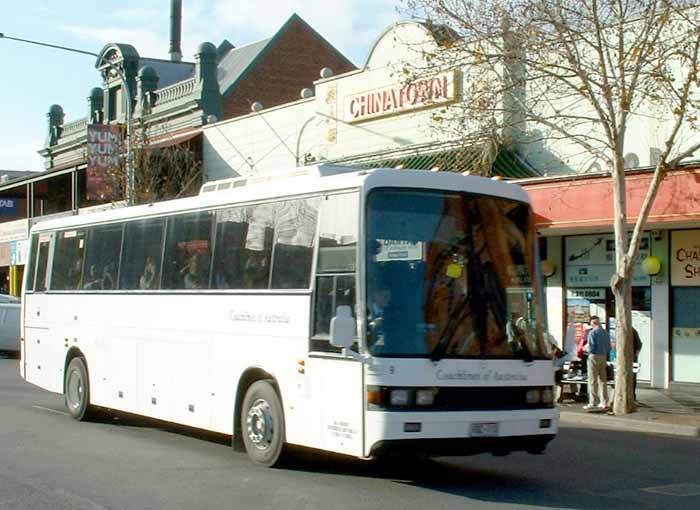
{"x": 172, "y": 140}
{"x": 478, "y": 159}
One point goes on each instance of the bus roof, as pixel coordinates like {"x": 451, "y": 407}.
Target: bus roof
{"x": 300, "y": 181}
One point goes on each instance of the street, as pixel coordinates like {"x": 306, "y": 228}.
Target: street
{"x": 51, "y": 461}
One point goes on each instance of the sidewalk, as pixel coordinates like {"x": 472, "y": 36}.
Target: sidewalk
{"x": 675, "y": 412}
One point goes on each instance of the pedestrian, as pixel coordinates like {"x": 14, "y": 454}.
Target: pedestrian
{"x": 637, "y": 346}
{"x": 598, "y": 350}
{"x": 559, "y": 357}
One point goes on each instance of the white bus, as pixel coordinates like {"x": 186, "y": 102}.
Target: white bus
{"x": 359, "y": 312}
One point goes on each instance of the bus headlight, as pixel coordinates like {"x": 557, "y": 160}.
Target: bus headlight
{"x": 399, "y": 397}
{"x": 533, "y": 396}
{"x": 547, "y": 396}
{"x": 426, "y": 397}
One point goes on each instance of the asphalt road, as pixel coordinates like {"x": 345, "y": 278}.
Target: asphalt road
{"x": 48, "y": 461}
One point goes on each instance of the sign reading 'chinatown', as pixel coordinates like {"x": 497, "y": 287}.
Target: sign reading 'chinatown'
{"x": 685, "y": 258}
{"x": 437, "y": 90}
{"x": 104, "y": 145}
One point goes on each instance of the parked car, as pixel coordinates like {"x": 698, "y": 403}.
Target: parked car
{"x": 9, "y": 323}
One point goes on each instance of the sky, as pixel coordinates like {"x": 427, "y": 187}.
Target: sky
{"x": 32, "y": 78}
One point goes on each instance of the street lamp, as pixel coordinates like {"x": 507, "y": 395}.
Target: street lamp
{"x": 125, "y": 84}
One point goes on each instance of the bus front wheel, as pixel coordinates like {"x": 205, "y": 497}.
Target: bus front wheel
{"x": 77, "y": 390}
{"x": 262, "y": 424}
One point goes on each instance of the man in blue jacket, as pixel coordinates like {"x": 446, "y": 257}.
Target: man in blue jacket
{"x": 598, "y": 350}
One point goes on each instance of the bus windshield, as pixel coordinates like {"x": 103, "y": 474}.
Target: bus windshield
{"x": 452, "y": 275}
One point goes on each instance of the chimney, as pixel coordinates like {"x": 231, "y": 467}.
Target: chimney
{"x": 175, "y": 30}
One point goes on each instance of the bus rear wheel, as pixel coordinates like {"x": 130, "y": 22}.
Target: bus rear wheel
{"x": 262, "y": 424}
{"x": 77, "y": 390}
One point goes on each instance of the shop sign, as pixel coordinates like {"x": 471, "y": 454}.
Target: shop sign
{"x": 397, "y": 98}
{"x": 104, "y": 146}
{"x": 14, "y": 231}
{"x": 590, "y": 261}
{"x": 685, "y": 258}
{"x": 18, "y": 253}
{"x": 687, "y": 333}
{"x": 5, "y": 249}
{"x": 8, "y": 206}
{"x": 589, "y": 294}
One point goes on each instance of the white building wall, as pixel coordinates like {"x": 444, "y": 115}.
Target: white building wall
{"x": 320, "y": 129}
{"x": 264, "y": 142}
{"x": 660, "y": 314}
{"x": 649, "y": 125}
{"x": 555, "y": 293}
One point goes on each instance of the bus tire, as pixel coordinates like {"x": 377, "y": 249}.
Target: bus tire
{"x": 77, "y": 390}
{"x": 262, "y": 424}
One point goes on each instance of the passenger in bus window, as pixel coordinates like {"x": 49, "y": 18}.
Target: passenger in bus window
{"x": 74, "y": 274}
{"x": 381, "y": 298}
{"x": 148, "y": 278}
{"x": 225, "y": 266}
{"x": 196, "y": 274}
{"x": 92, "y": 279}
{"x": 108, "y": 277}
{"x": 257, "y": 270}
{"x": 220, "y": 280}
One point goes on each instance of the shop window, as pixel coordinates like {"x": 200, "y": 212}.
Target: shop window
{"x": 685, "y": 335}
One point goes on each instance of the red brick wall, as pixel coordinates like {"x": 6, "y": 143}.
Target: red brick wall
{"x": 293, "y": 63}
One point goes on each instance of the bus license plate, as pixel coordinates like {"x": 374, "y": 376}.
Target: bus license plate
{"x": 488, "y": 429}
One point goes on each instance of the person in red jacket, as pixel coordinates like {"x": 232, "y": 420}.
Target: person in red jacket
{"x": 581, "y": 346}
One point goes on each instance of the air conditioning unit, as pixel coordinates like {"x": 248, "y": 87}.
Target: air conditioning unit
{"x": 631, "y": 160}
{"x": 654, "y": 155}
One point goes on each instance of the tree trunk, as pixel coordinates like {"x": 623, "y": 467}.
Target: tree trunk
{"x": 624, "y": 390}
{"x": 621, "y": 285}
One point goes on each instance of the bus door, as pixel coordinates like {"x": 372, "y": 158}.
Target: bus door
{"x": 38, "y": 351}
{"x": 334, "y": 383}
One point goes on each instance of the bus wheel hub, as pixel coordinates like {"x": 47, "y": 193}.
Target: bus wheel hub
{"x": 259, "y": 424}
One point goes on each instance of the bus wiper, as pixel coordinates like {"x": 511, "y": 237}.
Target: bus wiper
{"x": 453, "y": 321}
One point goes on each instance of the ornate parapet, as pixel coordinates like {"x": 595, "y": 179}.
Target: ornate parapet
{"x": 78, "y": 127}
{"x": 177, "y": 92}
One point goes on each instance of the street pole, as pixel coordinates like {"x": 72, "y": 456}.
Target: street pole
{"x": 125, "y": 84}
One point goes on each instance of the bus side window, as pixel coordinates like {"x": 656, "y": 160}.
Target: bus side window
{"x": 42, "y": 262}
{"x": 140, "y": 264}
{"x": 231, "y": 232}
{"x": 188, "y": 244}
{"x": 102, "y": 257}
{"x": 67, "y": 271}
{"x": 336, "y": 265}
{"x": 292, "y": 254}
{"x": 257, "y": 251}
{"x": 31, "y": 266}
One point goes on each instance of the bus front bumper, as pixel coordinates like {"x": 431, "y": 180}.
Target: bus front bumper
{"x": 460, "y": 433}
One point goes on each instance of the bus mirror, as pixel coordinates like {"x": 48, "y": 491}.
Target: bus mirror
{"x": 343, "y": 327}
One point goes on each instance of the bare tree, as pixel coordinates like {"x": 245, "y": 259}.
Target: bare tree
{"x": 161, "y": 172}
{"x": 166, "y": 173}
{"x": 578, "y": 72}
